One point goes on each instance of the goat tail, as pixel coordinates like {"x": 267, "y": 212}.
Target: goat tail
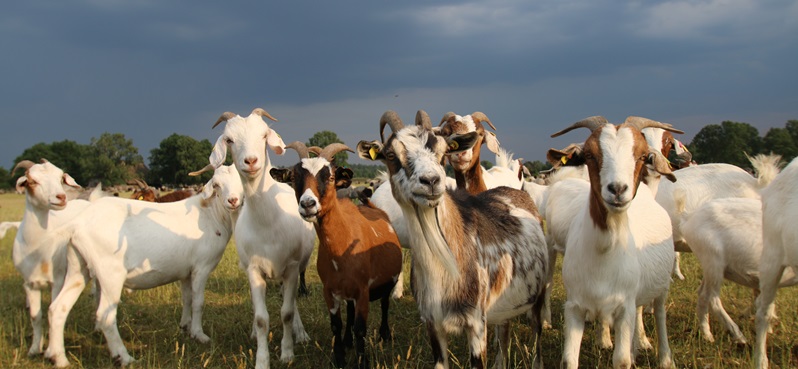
{"x": 504, "y": 158}
{"x": 766, "y": 168}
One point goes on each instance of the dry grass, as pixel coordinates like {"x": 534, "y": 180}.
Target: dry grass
{"x": 148, "y": 322}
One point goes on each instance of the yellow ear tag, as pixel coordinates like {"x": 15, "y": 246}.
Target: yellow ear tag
{"x": 373, "y": 151}
{"x": 564, "y": 159}
{"x": 141, "y": 197}
{"x": 453, "y": 145}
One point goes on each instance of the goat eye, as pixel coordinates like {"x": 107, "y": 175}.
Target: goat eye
{"x": 390, "y": 155}
{"x": 228, "y": 141}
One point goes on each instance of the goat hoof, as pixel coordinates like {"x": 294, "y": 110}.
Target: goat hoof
{"x": 201, "y": 337}
{"x": 385, "y": 335}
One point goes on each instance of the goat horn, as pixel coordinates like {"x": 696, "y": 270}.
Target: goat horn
{"x": 300, "y": 148}
{"x": 592, "y": 123}
{"x": 392, "y": 119}
{"x": 333, "y": 149}
{"x": 142, "y": 184}
{"x": 641, "y": 123}
{"x": 263, "y": 113}
{"x": 446, "y": 117}
{"x": 422, "y": 119}
{"x": 224, "y": 118}
{"x": 203, "y": 170}
{"x": 25, "y": 164}
{"x": 315, "y": 149}
{"x": 480, "y": 117}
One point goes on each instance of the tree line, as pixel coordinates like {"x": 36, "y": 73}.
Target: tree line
{"x": 113, "y": 159}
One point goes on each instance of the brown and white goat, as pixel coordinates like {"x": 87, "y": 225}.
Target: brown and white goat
{"x": 359, "y": 256}
{"x": 147, "y": 193}
{"x": 477, "y": 260}
{"x": 468, "y": 171}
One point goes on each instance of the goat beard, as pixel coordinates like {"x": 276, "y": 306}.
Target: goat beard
{"x": 433, "y": 241}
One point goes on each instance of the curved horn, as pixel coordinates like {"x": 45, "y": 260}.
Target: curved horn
{"x": 641, "y": 123}
{"x": 392, "y": 119}
{"x": 446, "y": 117}
{"x": 263, "y": 113}
{"x": 300, "y": 148}
{"x": 591, "y": 122}
{"x": 224, "y": 118}
{"x": 142, "y": 184}
{"x": 480, "y": 117}
{"x": 333, "y": 149}
{"x": 25, "y": 164}
{"x": 422, "y": 119}
{"x": 315, "y": 149}
{"x": 203, "y": 170}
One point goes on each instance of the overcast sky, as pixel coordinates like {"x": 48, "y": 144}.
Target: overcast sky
{"x": 147, "y": 69}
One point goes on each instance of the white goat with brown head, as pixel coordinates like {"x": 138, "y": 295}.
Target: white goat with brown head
{"x": 359, "y": 257}
{"x": 619, "y": 251}
{"x": 477, "y": 260}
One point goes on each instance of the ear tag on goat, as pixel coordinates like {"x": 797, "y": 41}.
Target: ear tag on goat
{"x": 373, "y": 151}
{"x": 453, "y": 145}
{"x": 141, "y": 197}
{"x": 564, "y": 159}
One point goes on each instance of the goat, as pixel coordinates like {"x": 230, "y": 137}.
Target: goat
{"x": 779, "y": 251}
{"x": 41, "y": 264}
{"x": 147, "y": 193}
{"x": 359, "y": 257}
{"x": 6, "y": 226}
{"x": 143, "y": 245}
{"x": 477, "y": 260}
{"x": 619, "y": 251}
{"x": 272, "y": 239}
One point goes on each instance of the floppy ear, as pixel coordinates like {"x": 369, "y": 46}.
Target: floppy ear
{"x": 22, "y": 183}
{"x": 208, "y": 190}
{"x": 660, "y": 164}
{"x": 282, "y": 175}
{"x": 343, "y": 177}
{"x": 569, "y": 156}
{"x": 370, "y": 150}
{"x": 274, "y": 141}
{"x": 69, "y": 181}
{"x": 458, "y": 143}
{"x": 491, "y": 141}
{"x": 219, "y": 153}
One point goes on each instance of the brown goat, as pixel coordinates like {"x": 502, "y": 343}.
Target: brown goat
{"x": 359, "y": 256}
{"x": 147, "y": 193}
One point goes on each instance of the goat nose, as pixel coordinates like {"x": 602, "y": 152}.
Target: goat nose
{"x": 233, "y": 201}
{"x": 617, "y": 188}
{"x": 307, "y": 203}
{"x": 430, "y": 181}
{"x": 61, "y": 197}
{"x": 250, "y": 160}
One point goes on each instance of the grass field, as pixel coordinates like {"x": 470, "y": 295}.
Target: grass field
{"x": 148, "y": 322}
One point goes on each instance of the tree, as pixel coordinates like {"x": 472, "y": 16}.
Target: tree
{"x": 6, "y": 182}
{"x": 535, "y": 167}
{"x": 779, "y": 141}
{"x": 175, "y": 157}
{"x": 113, "y": 159}
{"x": 728, "y": 142}
{"x": 324, "y": 138}
{"x": 68, "y": 155}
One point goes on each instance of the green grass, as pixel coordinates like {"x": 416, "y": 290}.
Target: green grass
{"x": 148, "y": 322}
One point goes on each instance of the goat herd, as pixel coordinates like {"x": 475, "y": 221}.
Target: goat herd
{"x": 483, "y": 244}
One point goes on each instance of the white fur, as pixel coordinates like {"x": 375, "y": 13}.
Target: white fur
{"x": 779, "y": 250}
{"x": 42, "y": 264}
{"x": 134, "y": 244}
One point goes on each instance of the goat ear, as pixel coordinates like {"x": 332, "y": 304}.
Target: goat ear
{"x": 491, "y": 141}
{"x": 343, "y": 177}
{"x": 370, "y": 150}
{"x": 219, "y": 153}
{"x": 276, "y": 143}
{"x": 69, "y": 181}
{"x": 282, "y": 175}
{"x": 660, "y": 164}
{"x": 22, "y": 183}
{"x": 458, "y": 143}
{"x": 208, "y": 190}
{"x": 569, "y": 156}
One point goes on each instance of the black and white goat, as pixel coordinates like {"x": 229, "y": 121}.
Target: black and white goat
{"x": 477, "y": 260}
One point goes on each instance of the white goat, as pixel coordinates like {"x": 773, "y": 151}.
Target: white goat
{"x": 142, "y": 245}
{"x": 272, "y": 239}
{"x": 779, "y": 251}
{"x": 41, "y": 264}
{"x": 477, "y": 260}
{"x": 619, "y": 251}
{"x": 726, "y": 238}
